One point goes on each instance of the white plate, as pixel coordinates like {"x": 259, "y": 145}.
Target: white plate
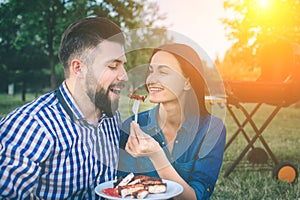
{"x": 173, "y": 189}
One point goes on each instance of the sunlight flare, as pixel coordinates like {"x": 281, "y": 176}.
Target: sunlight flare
{"x": 263, "y": 3}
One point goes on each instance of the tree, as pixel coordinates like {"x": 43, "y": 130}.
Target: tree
{"x": 252, "y": 24}
{"x": 30, "y": 30}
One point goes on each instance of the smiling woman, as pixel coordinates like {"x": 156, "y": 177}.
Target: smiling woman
{"x": 165, "y": 81}
{"x": 178, "y": 139}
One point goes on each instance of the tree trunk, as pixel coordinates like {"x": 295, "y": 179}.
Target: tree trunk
{"x": 51, "y": 23}
{"x": 53, "y": 72}
{"x": 24, "y": 90}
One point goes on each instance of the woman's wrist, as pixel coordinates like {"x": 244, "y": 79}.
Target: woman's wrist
{"x": 159, "y": 159}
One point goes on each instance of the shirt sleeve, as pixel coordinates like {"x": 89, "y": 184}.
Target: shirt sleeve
{"x": 23, "y": 147}
{"x": 207, "y": 166}
{"x": 126, "y": 161}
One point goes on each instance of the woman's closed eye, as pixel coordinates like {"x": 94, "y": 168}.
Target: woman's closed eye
{"x": 160, "y": 69}
{"x": 163, "y": 72}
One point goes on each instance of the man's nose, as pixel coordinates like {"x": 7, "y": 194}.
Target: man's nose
{"x": 122, "y": 74}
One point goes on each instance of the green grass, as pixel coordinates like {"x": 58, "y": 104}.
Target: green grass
{"x": 9, "y": 102}
{"x": 250, "y": 181}
{"x": 247, "y": 181}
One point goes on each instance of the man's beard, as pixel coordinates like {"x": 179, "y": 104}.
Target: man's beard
{"x": 104, "y": 103}
{"x": 100, "y": 98}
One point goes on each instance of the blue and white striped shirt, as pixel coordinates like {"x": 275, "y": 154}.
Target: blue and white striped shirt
{"x": 45, "y": 154}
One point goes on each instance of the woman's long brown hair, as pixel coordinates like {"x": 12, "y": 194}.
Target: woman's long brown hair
{"x": 192, "y": 68}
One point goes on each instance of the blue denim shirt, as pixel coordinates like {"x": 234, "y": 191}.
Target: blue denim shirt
{"x": 197, "y": 152}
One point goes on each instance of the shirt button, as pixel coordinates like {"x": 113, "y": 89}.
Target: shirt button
{"x": 176, "y": 141}
{"x": 207, "y": 189}
{"x": 163, "y": 143}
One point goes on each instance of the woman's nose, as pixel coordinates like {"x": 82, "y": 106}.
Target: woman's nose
{"x": 151, "y": 78}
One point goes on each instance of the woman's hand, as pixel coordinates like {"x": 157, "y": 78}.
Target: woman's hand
{"x": 140, "y": 143}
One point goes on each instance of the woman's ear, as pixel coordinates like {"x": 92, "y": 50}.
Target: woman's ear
{"x": 187, "y": 84}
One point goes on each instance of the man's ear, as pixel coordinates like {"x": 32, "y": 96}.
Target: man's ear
{"x": 187, "y": 84}
{"x": 76, "y": 67}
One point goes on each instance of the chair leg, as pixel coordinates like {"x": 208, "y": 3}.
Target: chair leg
{"x": 258, "y": 134}
{"x": 263, "y": 127}
{"x": 240, "y": 126}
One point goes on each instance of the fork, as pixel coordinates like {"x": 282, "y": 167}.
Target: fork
{"x": 135, "y": 109}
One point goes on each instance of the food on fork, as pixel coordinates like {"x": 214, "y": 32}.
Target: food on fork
{"x": 137, "y": 97}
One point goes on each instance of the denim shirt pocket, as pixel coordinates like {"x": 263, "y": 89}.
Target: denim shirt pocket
{"x": 184, "y": 168}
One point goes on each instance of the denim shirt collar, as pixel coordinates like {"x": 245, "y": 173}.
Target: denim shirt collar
{"x": 187, "y": 127}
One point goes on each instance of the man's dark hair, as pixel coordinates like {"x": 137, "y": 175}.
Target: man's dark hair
{"x": 85, "y": 34}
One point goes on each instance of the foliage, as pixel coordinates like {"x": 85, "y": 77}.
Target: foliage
{"x": 233, "y": 68}
{"x": 252, "y": 24}
{"x": 30, "y": 32}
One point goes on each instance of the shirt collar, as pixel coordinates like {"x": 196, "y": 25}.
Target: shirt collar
{"x": 152, "y": 124}
{"x": 190, "y": 123}
{"x": 70, "y": 101}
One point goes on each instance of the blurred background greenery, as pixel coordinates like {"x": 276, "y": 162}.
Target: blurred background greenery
{"x": 30, "y": 32}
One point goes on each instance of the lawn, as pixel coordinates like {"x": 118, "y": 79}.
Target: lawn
{"x": 9, "y": 102}
{"x": 254, "y": 181}
{"x": 247, "y": 181}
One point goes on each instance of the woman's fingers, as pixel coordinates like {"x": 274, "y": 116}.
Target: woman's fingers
{"x": 140, "y": 143}
{"x": 133, "y": 131}
{"x": 129, "y": 149}
{"x": 133, "y": 144}
{"x": 132, "y": 141}
{"x": 138, "y": 132}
